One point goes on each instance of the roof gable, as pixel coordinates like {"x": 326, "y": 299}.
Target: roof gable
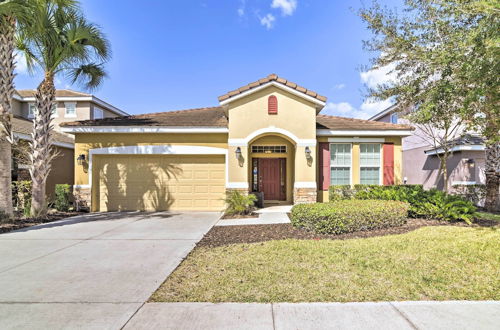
{"x": 277, "y": 81}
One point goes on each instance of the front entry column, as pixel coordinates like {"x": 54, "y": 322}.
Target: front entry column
{"x": 237, "y": 168}
{"x": 305, "y": 185}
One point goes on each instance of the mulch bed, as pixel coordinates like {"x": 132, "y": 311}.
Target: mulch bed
{"x": 20, "y": 223}
{"x": 226, "y": 235}
{"x": 239, "y": 216}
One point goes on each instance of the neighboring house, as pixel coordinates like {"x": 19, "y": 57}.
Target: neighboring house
{"x": 267, "y": 136}
{"x": 71, "y": 106}
{"x": 421, "y": 163}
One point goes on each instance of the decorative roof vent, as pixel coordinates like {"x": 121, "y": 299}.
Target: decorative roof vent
{"x": 272, "y": 105}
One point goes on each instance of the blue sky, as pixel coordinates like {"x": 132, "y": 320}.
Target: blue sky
{"x": 173, "y": 55}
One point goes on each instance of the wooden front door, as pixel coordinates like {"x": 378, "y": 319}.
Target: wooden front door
{"x": 271, "y": 177}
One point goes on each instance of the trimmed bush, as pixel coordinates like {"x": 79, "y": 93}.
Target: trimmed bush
{"x": 349, "y": 215}
{"x": 431, "y": 204}
{"x": 62, "y": 199}
{"x": 340, "y": 192}
{"x": 238, "y": 203}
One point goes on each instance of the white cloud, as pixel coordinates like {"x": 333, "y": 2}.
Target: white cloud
{"x": 268, "y": 21}
{"x": 339, "y": 86}
{"x": 287, "y": 6}
{"x": 376, "y": 77}
{"x": 241, "y": 8}
{"x": 21, "y": 66}
{"x": 367, "y": 109}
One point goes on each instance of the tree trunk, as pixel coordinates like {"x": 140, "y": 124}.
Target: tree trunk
{"x": 443, "y": 171}
{"x": 492, "y": 171}
{"x": 41, "y": 145}
{"x": 7, "y": 29}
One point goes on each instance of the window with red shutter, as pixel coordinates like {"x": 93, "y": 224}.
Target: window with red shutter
{"x": 272, "y": 105}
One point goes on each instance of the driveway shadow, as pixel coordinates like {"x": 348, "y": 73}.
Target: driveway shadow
{"x": 92, "y": 217}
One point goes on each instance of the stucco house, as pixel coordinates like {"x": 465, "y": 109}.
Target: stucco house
{"x": 465, "y": 166}
{"x": 267, "y": 136}
{"x": 70, "y": 106}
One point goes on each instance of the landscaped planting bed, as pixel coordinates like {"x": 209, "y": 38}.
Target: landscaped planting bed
{"x": 430, "y": 263}
{"x": 19, "y": 222}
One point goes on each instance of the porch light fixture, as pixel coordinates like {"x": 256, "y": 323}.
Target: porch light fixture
{"x": 308, "y": 152}
{"x": 238, "y": 153}
{"x": 80, "y": 159}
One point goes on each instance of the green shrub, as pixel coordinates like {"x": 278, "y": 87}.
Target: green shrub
{"x": 238, "y": 203}
{"x": 475, "y": 193}
{"x": 431, "y": 204}
{"x": 62, "y": 200}
{"x": 349, "y": 215}
{"x": 21, "y": 196}
{"x": 340, "y": 192}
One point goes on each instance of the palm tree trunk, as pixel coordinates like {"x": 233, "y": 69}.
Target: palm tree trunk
{"x": 7, "y": 29}
{"x": 492, "y": 171}
{"x": 41, "y": 145}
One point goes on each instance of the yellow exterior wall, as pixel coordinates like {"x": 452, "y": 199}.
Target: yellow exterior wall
{"x": 295, "y": 115}
{"x": 85, "y": 142}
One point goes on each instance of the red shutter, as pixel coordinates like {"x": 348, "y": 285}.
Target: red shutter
{"x": 272, "y": 105}
{"x": 388, "y": 164}
{"x": 324, "y": 165}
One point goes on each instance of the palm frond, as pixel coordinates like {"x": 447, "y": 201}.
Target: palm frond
{"x": 60, "y": 40}
{"x": 89, "y": 76}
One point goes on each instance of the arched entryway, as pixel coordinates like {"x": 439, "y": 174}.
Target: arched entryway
{"x": 271, "y": 167}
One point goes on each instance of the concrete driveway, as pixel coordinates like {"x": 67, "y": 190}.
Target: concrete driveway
{"x": 92, "y": 271}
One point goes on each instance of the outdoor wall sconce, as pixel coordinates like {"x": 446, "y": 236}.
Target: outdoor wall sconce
{"x": 238, "y": 153}
{"x": 81, "y": 159}
{"x": 308, "y": 152}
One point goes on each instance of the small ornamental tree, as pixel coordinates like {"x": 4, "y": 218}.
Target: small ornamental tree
{"x": 444, "y": 50}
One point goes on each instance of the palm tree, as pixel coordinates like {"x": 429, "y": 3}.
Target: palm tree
{"x": 10, "y": 12}
{"x": 60, "y": 41}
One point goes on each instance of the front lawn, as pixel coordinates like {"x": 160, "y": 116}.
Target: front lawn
{"x": 430, "y": 263}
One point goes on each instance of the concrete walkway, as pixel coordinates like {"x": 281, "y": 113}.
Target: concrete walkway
{"x": 266, "y": 216}
{"x": 384, "y": 315}
{"x": 92, "y": 271}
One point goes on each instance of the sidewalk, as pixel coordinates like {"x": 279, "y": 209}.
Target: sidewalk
{"x": 371, "y": 315}
{"x": 266, "y": 216}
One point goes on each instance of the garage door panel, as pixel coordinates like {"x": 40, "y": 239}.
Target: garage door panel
{"x": 159, "y": 182}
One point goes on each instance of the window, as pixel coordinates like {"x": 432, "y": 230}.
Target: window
{"x": 31, "y": 110}
{"x": 54, "y": 111}
{"x": 70, "y": 111}
{"x": 269, "y": 149}
{"x": 369, "y": 163}
{"x": 272, "y": 105}
{"x": 394, "y": 118}
{"x": 340, "y": 164}
{"x": 98, "y": 113}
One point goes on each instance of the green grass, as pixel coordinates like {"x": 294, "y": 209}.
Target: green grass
{"x": 488, "y": 216}
{"x": 431, "y": 263}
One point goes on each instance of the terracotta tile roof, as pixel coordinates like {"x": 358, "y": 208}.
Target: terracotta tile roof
{"x": 346, "y": 124}
{"x": 25, "y": 127}
{"x": 272, "y": 77}
{"x": 215, "y": 117}
{"x": 201, "y": 117}
{"x": 59, "y": 93}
